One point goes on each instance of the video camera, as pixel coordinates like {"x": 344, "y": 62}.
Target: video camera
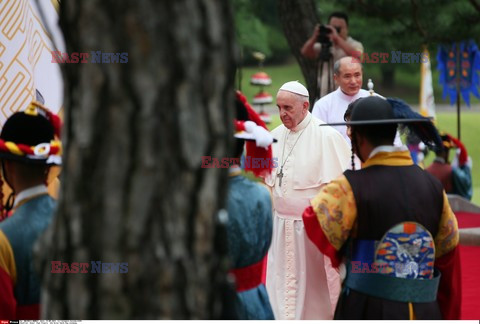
{"x": 323, "y": 36}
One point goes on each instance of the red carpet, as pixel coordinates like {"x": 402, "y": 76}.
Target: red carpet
{"x": 470, "y": 259}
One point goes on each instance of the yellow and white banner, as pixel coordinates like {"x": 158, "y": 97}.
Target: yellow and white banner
{"x": 27, "y": 28}
{"x": 427, "y": 101}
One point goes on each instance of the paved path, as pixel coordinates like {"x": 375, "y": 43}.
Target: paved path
{"x": 470, "y": 236}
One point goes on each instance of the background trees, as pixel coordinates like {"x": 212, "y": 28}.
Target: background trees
{"x": 382, "y": 26}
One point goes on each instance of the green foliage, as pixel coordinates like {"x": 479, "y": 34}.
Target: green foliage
{"x": 258, "y": 30}
{"x": 417, "y": 22}
{"x": 278, "y": 45}
{"x": 252, "y": 34}
{"x": 407, "y": 25}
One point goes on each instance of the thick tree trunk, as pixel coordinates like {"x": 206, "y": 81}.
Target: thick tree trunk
{"x": 298, "y": 18}
{"x": 133, "y": 189}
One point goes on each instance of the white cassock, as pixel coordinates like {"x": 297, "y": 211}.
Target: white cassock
{"x": 301, "y": 282}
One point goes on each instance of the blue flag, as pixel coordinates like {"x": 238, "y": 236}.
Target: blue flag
{"x": 467, "y": 71}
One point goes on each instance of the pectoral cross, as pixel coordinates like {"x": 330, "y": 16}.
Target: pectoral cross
{"x": 280, "y": 176}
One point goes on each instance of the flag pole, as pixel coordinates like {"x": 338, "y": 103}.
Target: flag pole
{"x": 458, "y": 70}
{"x": 426, "y": 99}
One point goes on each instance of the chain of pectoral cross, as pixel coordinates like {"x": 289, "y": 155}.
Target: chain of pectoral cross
{"x": 280, "y": 174}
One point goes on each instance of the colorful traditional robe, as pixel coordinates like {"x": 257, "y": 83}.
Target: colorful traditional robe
{"x": 363, "y": 205}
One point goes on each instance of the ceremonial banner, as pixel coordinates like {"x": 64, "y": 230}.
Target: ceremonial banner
{"x": 459, "y": 64}
{"x": 25, "y": 55}
{"x": 427, "y": 101}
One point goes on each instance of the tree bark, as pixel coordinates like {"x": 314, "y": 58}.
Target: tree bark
{"x": 133, "y": 189}
{"x": 298, "y": 19}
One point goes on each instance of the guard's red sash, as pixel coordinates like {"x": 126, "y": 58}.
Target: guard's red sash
{"x": 248, "y": 277}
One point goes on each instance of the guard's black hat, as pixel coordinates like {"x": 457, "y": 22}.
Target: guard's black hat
{"x": 29, "y": 136}
{"x": 374, "y": 110}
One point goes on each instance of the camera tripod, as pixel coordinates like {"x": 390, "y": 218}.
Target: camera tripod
{"x": 325, "y": 71}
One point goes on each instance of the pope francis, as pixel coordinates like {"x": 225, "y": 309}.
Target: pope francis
{"x": 301, "y": 283}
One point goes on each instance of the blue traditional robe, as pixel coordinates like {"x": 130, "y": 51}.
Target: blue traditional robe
{"x": 19, "y": 284}
{"x": 249, "y": 232}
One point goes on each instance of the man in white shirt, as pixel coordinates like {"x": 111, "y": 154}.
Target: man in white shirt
{"x": 300, "y": 283}
{"x": 348, "y": 75}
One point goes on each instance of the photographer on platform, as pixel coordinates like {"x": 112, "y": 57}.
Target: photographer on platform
{"x": 328, "y": 44}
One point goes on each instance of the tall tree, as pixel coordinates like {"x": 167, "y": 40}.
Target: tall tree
{"x": 133, "y": 189}
{"x": 298, "y": 18}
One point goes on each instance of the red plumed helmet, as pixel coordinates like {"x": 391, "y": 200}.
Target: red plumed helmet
{"x": 250, "y": 127}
